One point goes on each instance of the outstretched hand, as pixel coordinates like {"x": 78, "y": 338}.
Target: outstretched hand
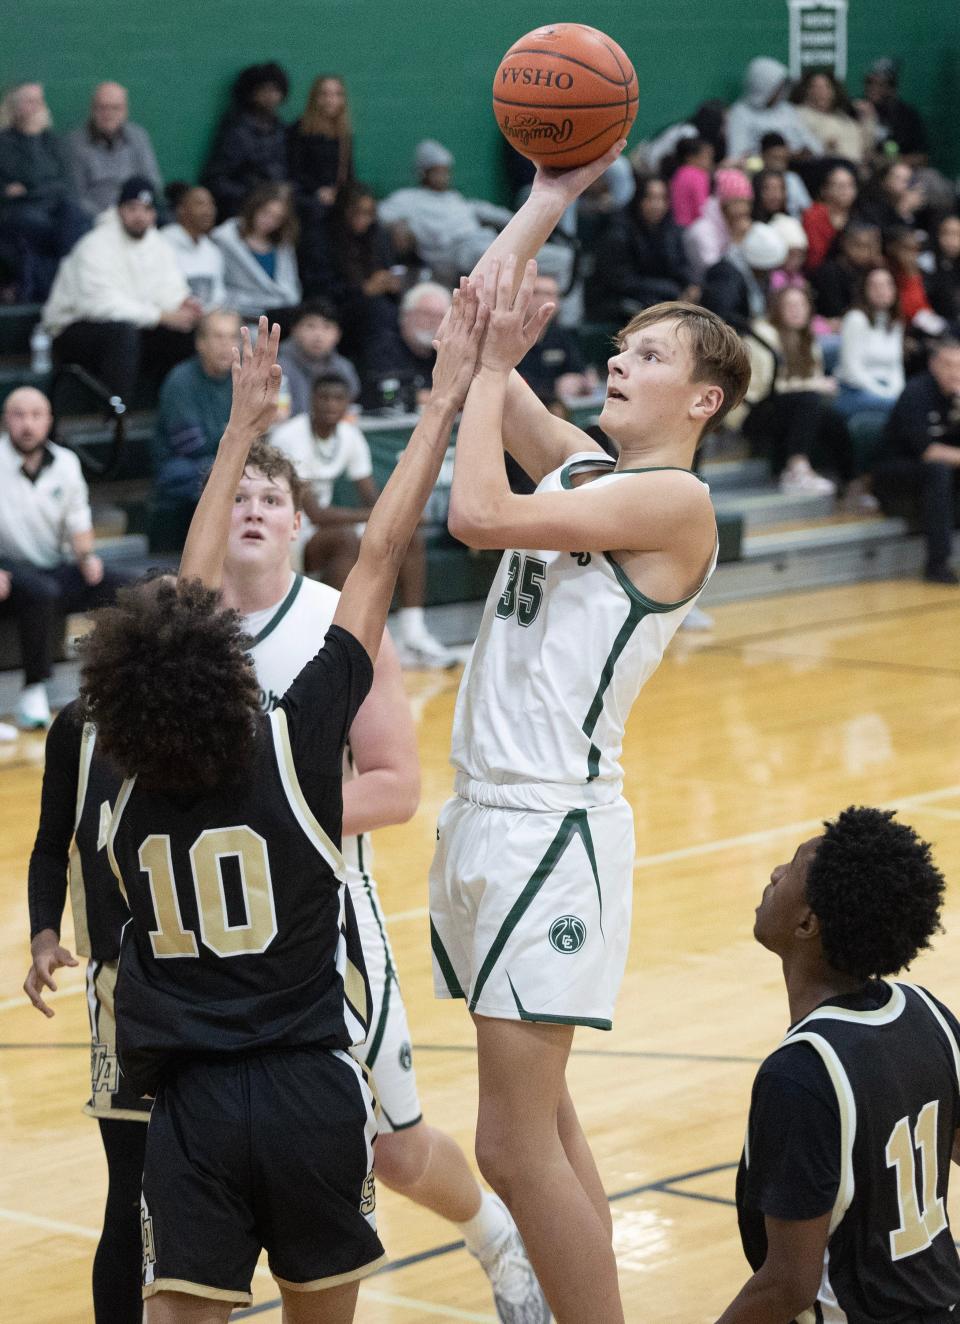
{"x": 48, "y": 956}
{"x": 569, "y": 184}
{"x": 256, "y": 381}
{"x": 458, "y": 344}
{"x": 510, "y": 332}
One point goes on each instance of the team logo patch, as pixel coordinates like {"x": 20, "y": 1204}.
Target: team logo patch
{"x": 568, "y": 934}
{"x": 406, "y": 1056}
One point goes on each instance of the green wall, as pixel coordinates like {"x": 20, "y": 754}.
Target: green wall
{"x": 416, "y": 70}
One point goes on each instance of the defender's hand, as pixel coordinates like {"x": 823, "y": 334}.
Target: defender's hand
{"x": 458, "y": 344}
{"x": 510, "y": 333}
{"x": 256, "y": 382}
{"x": 48, "y": 956}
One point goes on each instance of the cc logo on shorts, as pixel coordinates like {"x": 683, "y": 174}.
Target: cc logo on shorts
{"x": 568, "y": 934}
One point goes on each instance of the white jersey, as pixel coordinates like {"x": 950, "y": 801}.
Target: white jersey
{"x": 285, "y": 638}
{"x": 320, "y": 461}
{"x": 565, "y": 645}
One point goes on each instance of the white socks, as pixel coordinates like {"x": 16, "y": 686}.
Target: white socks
{"x": 485, "y": 1230}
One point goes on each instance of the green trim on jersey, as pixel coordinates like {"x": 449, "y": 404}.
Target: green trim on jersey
{"x": 282, "y": 610}
{"x": 574, "y": 824}
{"x": 638, "y": 610}
{"x": 389, "y": 972}
{"x": 445, "y": 964}
{"x": 589, "y": 1021}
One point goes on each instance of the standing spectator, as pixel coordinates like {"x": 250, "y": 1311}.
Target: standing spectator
{"x": 192, "y": 414}
{"x": 554, "y": 368}
{"x": 764, "y": 108}
{"x": 198, "y": 257}
{"x": 119, "y": 298}
{"x": 775, "y": 155}
{"x": 37, "y": 215}
{"x": 769, "y": 195}
{"x": 921, "y": 455}
{"x": 259, "y": 255}
{"x": 320, "y": 145}
{"x": 825, "y": 108}
{"x": 365, "y": 279}
{"x": 251, "y": 144}
{"x": 310, "y": 351}
{"x": 108, "y": 150}
{"x": 640, "y": 258}
{"x": 399, "y": 363}
{"x": 47, "y": 562}
{"x": 836, "y": 280}
{"x": 690, "y": 182}
{"x": 893, "y": 197}
{"x": 871, "y": 348}
{"x": 941, "y": 267}
{"x": 724, "y": 221}
{"x": 903, "y": 252}
{"x": 738, "y": 286}
{"x": 830, "y": 214}
{"x": 898, "y": 124}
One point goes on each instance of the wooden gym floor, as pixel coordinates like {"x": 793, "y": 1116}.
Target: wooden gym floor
{"x": 790, "y": 710}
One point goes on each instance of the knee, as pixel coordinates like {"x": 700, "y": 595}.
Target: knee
{"x": 35, "y": 585}
{"x": 402, "y": 1157}
{"x": 501, "y": 1163}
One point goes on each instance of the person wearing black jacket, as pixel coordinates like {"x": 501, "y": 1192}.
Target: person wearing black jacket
{"x": 251, "y": 144}
{"x": 836, "y": 280}
{"x": 942, "y": 274}
{"x": 921, "y": 455}
{"x": 640, "y": 259}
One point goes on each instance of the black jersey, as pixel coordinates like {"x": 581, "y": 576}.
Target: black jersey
{"x": 856, "y": 1114}
{"x": 243, "y": 935}
{"x": 79, "y": 791}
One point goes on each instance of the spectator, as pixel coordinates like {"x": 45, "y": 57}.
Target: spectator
{"x": 769, "y": 194}
{"x": 827, "y": 111}
{"x": 193, "y": 410}
{"x": 921, "y": 455}
{"x": 790, "y": 277}
{"x": 941, "y": 268}
{"x": 198, "y": 257}
{"x": 708, "y": 121}
{"x": 828, "y": 216}
{"x": 399, "y": 363}
{"x": 690, "y": 182}
{"x": 108, "y": 150}
{"x": 792, "y": 416}
{"x": 724, "y": 221}
{"x": 119, "y": 298}
{"x": 898, "y": 124}
{"x": 902, "y": 252}
{"x": 450, "y": 232}
{"x": 320, "y": 146}
{"x": 251, "y": 145}
{"x": 324, "y": 447}
{"x": 37, "y": 215}
{"x": 775, "y": 155}
{"x": 857, "y": 249}
{"x": 764, "y": 108}
{"x": 871, "y": 348}
{"x": 555, "y": 367}
{"x": 737, "y": 287}
{"x": 365, "y": 278}
{"x": 259, "y": 255}
{"x": 640, "y": 258}
{"x": 893, "y": 197}
{"x": 309, "y": 352}
{"x": 48, "y": 566}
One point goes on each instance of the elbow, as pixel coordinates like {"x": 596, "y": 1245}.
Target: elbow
{"x": 408, "y": 798}
{"x": 472, "y": 525}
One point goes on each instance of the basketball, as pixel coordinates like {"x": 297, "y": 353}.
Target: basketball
{"x": 564, "y": 94}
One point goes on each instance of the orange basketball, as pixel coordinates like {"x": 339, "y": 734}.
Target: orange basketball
{"x": 563, "y": 94}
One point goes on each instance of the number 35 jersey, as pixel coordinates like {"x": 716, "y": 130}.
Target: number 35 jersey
{"x": 565, "y": 645}
{"x": 243, "y": 936}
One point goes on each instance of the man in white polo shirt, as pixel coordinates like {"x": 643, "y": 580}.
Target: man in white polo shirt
{"x": 47, "y": 561}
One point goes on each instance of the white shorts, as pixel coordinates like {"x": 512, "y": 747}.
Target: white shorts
{"x": 530, "y": 910}
{"x": 387, "y": 1052}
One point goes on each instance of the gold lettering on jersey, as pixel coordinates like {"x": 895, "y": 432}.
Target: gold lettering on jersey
{"x": 104, "y": 1072}
{"x": 169, "y": 939}
{"x": 249, "y": 849}
{"x": 918, "y": 1228}
{"x": 368, "y": 1197}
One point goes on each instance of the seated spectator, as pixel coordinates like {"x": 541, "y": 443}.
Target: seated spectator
{"x": 323, "y": 447}
{"x": 451, "y": 233}
{"x": 921, "y": 455}
{"x": 48, "y": 565}
{"x": 251, "y": 144}
{"x": 893, "y": 197}
{"x": 39, "y": 220}
{"x": 857, "y": 250}
{"x": 827, "y": 111}
{"x": 690, "y": 182}
{"x": 902, "y": 249}
{"x": 738, "y": 286}
{"x": 399, "y": 364}
{"x": 941, "y": 268}
{"x": 871, "y": 348}
{"x": 555, "y": 368}
{"x": 775, "y": 155}
{"x": 769, "y": 194}
{"x": 108, "y": 150}
{"x": 119, "y": 299}
{"x": 898, "y": 124}
{"x": 365, "y": 279}
{"x": 191, "y": 417}
{"x": 259, "y": 255}
{"x": 198, "y": 257}
{"x": 640, "y": 258}
{"x": 764, "y": 108}
{"x": 320, "y": 146}
{"x": 830, "y": 214}
{"x": 724, "y": 221}
{"x": 309, "y": 352}
{"x": 792, "y": 418}
{"x": 790, "y": 277}
{"x": 708, "y": 121}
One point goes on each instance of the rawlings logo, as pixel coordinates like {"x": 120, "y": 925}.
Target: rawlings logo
{"x": 527, "y": 129}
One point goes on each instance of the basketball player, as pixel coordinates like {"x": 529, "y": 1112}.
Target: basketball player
{"x": 530, "y": 892}
{"x": 241, "y": 985}
{"x": 287, "y": 617}
{"x": 842, "y": 1188}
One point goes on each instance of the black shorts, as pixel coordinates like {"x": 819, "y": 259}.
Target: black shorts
{"x": 270, "y": 1150}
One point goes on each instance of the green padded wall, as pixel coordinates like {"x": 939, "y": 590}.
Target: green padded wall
{"x": 415, "y": 71}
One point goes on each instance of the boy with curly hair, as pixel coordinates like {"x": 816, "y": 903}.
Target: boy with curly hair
{"x": 854, "y": 1119}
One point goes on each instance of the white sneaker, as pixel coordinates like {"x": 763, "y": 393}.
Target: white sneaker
{"x": 424, "y": 652}
{"x": 697, "y": 619}
{"x": 801, "y": 478}
{"x": 33, "y": 708}
{"x": 516, "y": 1293}
{"x": 8, "y": 732}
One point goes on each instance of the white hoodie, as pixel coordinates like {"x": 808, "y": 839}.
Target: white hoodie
{"x": 751, "y": 117}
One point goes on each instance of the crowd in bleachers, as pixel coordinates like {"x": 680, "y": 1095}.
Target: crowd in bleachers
{"x": 814, "y": 223}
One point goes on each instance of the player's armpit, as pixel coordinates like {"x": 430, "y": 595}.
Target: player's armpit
{"x": 538, "y": 440}
{"x": 383, "y": 745}
{"x": 789, "y": 1279}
